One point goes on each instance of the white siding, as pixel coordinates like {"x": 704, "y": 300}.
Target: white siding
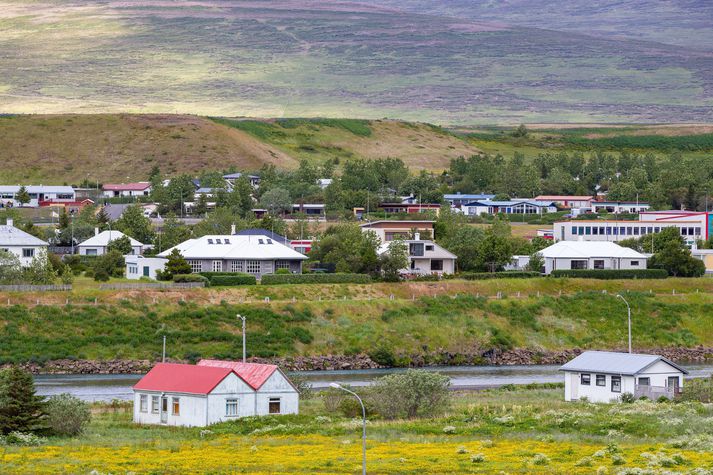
{"x": 575, "y": 390}
{"x": 277, "y": 386}
{"x": 231, "y": 387}
{"x": 192, "y": 409}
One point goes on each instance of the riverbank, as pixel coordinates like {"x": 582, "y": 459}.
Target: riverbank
{"x": 362, "y": 362}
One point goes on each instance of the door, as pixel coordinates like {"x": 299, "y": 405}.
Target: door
{"x": 164, "y": 410}
{"x": 574, "y": 386}
{"x": 672, "y": 384}
{"x": 146, "y": 271}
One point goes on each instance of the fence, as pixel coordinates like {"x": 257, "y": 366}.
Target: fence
{"x": 35, "y": 288}
{"x": 654, "y": 392}
{"x": 152, "y": 285}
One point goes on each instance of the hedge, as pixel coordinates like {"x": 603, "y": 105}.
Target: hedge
{"x": 499, "y": 275}
{"x": 189, "y": 278}
{"x": 274, "y": 279}
{"x": 233, "y": 279}
{"x": 609, "y": 274}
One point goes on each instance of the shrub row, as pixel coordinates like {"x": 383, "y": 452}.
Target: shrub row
{"x": 609, "y": 274}
{"x": 273, "y": 279}
{"x": 185, "y": 278}
{"x": 232, "y": 280}
{"x": 499, "y": 275}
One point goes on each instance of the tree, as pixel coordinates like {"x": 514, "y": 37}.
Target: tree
{"x": 122, "y": 245}
{"x": 67, "y": 415}
{"x": 20, "y": 409}
{"x": 109, "y": 264}
{"x": 22, "y": 196}
{"x": 176, "y": 265}
{"x": 133, "y": 223}
{"x": 40, "y": 270}
{"x": 520, "y": 131}
{"x": 677, "y": 260}
{"x": 464, "y": 242}
{"x": 536, "y": 262}
{"x": 348, "y": 249}
{"x": 393, "y": 260}
{"x": 174, "y": 232}
{"x": 10, "y": 268}
{"x": 411, "y": 394}
{"x": 494, "y": 252}
{"x": 276, "y": 201}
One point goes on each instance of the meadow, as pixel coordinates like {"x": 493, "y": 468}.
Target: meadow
{"x": 510, "y": 430}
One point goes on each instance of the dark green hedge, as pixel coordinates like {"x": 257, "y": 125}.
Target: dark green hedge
{"x": 612, "y": 273}
{"x": 182, "y": 278}
{"x": 498, "y": 275}
{"x": 273, "y": 279}
{"x": 229, "y": 278}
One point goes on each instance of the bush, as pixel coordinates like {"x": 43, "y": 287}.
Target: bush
{"x": 101, "y": 275}
{"x": 410, "y": 394}
{"x": 276, "y": 279}
{"x": 67, "y": 415}
{"x": 499, "y": 275}
{"x": 609, "y": 274}
{"x": 383, "y": 355}
{"x": 627, "y": 398}
{"x": 229, "y": 279}
{"x": 187, "y": 278}
{"x": 23, "y": 438}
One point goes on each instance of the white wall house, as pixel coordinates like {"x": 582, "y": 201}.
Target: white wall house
{"x": 572, "y": 255}
{"x": 97, "y": 244}
{"x": 425, "y": 257}
{"x": 211, "y": 392}
{"x": 515, "y": 206}
{"x": 37, "y": 194}
{"x": 140, "y": 266}
{"x": 618, "y": 207}
{"x": 603, "y": 376}
{"x": 568, "y": 201}
{"x": 23, "y": 245}
{"x": 251, "y": 254}
{"x": 113, "y": 190}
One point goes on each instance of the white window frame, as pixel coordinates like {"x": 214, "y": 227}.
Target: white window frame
{"x": 252, "y": 267}
{"x": 155, "y": 404}
{"x": 217, "y": 266}
{"x": 274, "y": 400}
{"x": 143, "y": 403}
{"x": 282, "y": 264}
{"x": 236, "y": 266}
{"x": 28, "y": 252}
{"x": 175, "y": 402}
{"x": 196, "y": 266}
{"x": 231, "y": 407}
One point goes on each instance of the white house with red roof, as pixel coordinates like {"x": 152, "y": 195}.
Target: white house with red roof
{"x": 212, "y": 391}
{"x": 113, "y": 190}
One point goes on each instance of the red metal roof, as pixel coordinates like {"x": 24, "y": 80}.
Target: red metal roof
{"x": 140, "y": 186}
{"x": 183, "y": 378}
{"x": 255, "y": 374}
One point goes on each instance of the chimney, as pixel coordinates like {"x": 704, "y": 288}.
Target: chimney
{"x": 417, "y": 236}
{"x": 96, "y": 231}
{"x": 232, "y": 229}
{"x": 10, "y": 222}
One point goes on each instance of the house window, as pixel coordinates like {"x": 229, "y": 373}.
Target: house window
{"x": 586, "y": 379}
{"x": 28, "y": 252}
{"x": 143, "y": 403}
{"x": 196, "y": 266}
{"x": 236, "y": 266}
{"x": 616, "y": 384}
{"x": 154, "y": 404}
{"x": 133, "y": 270}
{"x": 436, "y": 264}
{"x": 274, "y": 405}
{"x": 176, "y": 406}
{"x": 253, "y": 267}
{"x": 217, "y": 266}
{"x": 231, "y": 407}
{"x": 644, "y": 381}
{"x": 416, "y": 249}
{"x": 601, "y": 380}
{"x": 282, "y": 265}
{"x": 90, "y": 252}
{"x": 429, "y": 247}
{"x": 577, "y": 264}
{"x": 634, "y": 263}
{"x": 598, "y": 264}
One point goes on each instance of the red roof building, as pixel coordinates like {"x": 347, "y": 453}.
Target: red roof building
{"x": 182, "y": 378}
{"x": 255, "y": 374}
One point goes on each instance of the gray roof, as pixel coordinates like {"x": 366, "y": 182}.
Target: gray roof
{"x": 114, "y": 211}
{"x": 615, "y": 363}
{"x": 264, "y": 232}
{"x": 11, "y": 236}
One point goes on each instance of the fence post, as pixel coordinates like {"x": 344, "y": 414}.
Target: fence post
{"x": 538, "y": 294}
{"x": 673, "y": 292}
{"x": 518, "y": 294}
{"x": 95, "y": 300}
{"x": 267, "y": 299}
{"x": 294, "y": 299}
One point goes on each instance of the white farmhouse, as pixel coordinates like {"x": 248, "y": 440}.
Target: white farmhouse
{"x": 603, "y": 376}
{"x": 38, "y": 195}
{"x": 97, "y": 244}
{"x": 140, "y": 266}
{"x": 23, "y": 245}
{"x": 591, "y": 255}
{"x": 204, "y": 394}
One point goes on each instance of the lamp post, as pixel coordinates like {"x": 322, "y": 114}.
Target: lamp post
{"x": 628, "y": 311}
{"x": 363, "y": 429}
{"x": 241, "y": 317}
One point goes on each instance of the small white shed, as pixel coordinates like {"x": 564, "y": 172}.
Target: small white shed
{"x": 603, "y": 376}
{"x": 200, "y": 395}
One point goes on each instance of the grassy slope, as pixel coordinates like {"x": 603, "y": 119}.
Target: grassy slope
{"x": 339, "y": 319}
{"x": 508, "y": 428}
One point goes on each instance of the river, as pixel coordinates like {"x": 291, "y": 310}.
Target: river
{"x": 105, "y": 387}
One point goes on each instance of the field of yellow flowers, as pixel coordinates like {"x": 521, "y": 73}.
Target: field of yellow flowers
{"x": 499, "y": 431}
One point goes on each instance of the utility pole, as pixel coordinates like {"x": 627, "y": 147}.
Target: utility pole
{"x": 163, "y": 357}
{"x": 241, "y": 317}
{"x": 628, "y": 311}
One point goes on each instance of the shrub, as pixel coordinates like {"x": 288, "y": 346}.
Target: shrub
{"x": 101, "y": 275}
{"x": 499, "y": 275}
{"x": 23, "y": 438}
{"x": 477, "y": 458}
{"x": 67, "y": 415}
{"x": 609, "y": 274}
{"x": 21, "y": 410}
{"x": 540, "y": 459}
{"x": 276, "y": 279}
{"x": 627, "y": 398}
{"x": 383, "y": 355}
{"x": 187, "y": 278}
{"x": 229, "y": 280}
{"x": 410, "y": 394}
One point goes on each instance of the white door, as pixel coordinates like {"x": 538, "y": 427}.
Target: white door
{"x": 574, "y": 386}
{"x": 164, "y": 410}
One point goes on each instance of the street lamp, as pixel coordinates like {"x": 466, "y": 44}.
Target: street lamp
{"x": 241, "y": 317}
{"x": 363, "y": 429}
{"x": 628, "y": 311}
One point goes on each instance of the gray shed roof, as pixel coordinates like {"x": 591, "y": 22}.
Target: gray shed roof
{"x": 11, "y": 236}
{"x": 615, "y": 363}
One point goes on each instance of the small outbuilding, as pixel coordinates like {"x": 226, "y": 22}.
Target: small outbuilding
{"x": 98, "y": 244}
{"x": 592, "y": 255}
{"x": 603, "y": 376}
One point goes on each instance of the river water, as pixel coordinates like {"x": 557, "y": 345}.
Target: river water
{"x": 105, "y": 387}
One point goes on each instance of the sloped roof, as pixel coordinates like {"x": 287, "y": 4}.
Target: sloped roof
{"x": 255, "y": 374}
{"x": 182, "y": 378}
{"x": 264, "y": 232}
{"x": 258, "y": 247}
{"x": 467, "y": 196}
{"x": 564, "y": 198}
{"x": 139, "y": 186}
{"x": 588, "y": 249}
{"x": 511, "y": 203}
{"x": 105, "y": 237}
{"x": 37, "y": 189}
{"x": 11, "y": 236}
{"x": 615, "y": 363}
